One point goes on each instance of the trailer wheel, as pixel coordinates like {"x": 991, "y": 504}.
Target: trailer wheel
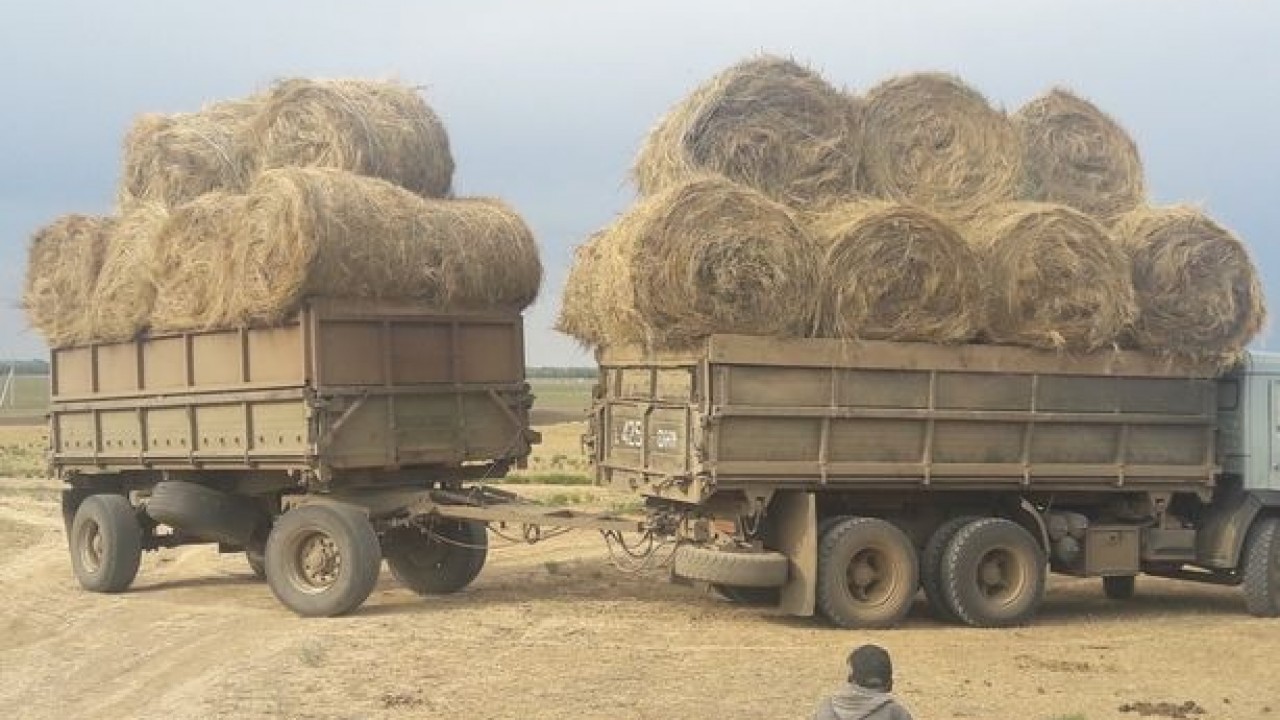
{"x": 1262, "y": 568}
{"x": 257, "y": 560}
{"x": 105, "y": 543}
{"x": 931, "y": 566}
{"x": 322, "y": 560}
{"x": 440, "y": 561}
{"x": 1119, "y": 587}
{"x": 993, "y": 574}
{"x": 766, "y": 569}
{"x": 868, "y": 573}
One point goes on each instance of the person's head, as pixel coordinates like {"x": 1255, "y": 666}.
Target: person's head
{"x": 870, "y": 667}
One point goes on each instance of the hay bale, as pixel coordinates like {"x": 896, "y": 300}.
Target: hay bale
{"x": 319, "y": 231}
{"x": 931, "y": 140}
{"x": 1056, "y": 278}
{"x": 1076, "y": 155}
{"x": 890, "y": 271}
{"x": 63, "y": 263}
{"x": 707, "y": 256}
{"x": 767, "y": 123}
{"x": 173, "y": 159}
{"x": 125, "y": 293}
{"x": 1198, "y": 292}
{"x": 598, "y": 307}
{"x": 191, "y": 263}
{"x": 579, "y": 305}
{"x": 379, "y": 129}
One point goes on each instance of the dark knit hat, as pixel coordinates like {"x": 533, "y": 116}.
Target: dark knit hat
{"x": 870, "y": 667}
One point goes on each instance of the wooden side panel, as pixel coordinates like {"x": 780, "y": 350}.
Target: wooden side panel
{"x": 164, "y": 363}
{"x": 72, "y": 371}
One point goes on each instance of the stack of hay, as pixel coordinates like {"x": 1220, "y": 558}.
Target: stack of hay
{"x": 235, "y": 214}
{"x": 773, "y": 203}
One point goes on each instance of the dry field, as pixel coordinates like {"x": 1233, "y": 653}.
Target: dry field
{"x": 555, "y": 631}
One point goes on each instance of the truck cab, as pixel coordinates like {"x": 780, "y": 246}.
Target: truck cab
{"x": 1249, "y": 422}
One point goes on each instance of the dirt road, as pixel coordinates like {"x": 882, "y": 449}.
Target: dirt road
{"x": 554, "y": 631}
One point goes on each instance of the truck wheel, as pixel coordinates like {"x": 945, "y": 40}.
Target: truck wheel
{"x": 105, "y": 543}
{"x": 206, "y": 513}
{"x": 322, "y": 560}
{"x": 868, "y": 573}
{"x": 1262, "y": 568}
{"x": 257, "y": 560}
{"x": 766, "y": 569}
{"x": 441, "y": 561}
{"x": 931, "y": 566}
{"x": 756, "y": 596}
{"x": 993, "y": 574}
{"x": 1119, "y": 587}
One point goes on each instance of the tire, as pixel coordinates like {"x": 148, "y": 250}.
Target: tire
{"x": 1119, "y": 587}
{"x": 322, "y": 560}
{"x": 767, "y": 569}
{"x": 257, "y": 560}
{"x": 105, "y": 543}
{"x": 206, "y": 513}
{"x": 993, "y": 574}
{"x": 868, "y": 573}
{"x": 931, "y": 567}
{"x": 753, "y": 596}
{"x": 443, "y": 560}
{"x": 1262, "y": 568}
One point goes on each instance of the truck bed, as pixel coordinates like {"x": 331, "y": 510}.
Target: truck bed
{"x": 741, "y": 411}
{"x": 343, "y": 386}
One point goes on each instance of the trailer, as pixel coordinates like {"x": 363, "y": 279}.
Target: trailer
{"x": 353, "y": 432}
{"x": 839, "y": 478}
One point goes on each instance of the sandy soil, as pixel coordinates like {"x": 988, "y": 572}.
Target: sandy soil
{"x": 555, "y": 631}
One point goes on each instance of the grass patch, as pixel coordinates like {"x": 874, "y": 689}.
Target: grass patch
{"x": 547, "y": 479}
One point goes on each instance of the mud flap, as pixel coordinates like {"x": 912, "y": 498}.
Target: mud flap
{"x": 795, "y": 518}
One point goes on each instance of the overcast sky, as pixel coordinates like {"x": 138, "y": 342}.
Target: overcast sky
{"x": 547, "y": 101}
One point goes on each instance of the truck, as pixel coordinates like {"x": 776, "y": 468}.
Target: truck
{"x": 354, "y": 432}
{"x": 840, "y": 478}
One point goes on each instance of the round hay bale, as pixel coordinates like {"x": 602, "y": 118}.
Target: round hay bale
{"x": 63, "y": 263}
{"x": 125, "y": 293}
{"x": 767, "y": 123}
{"x": 172, "y": 159}
{"x": 1076, "y": 155}
{"x": 1198, "y": 292}
{"x": 326, "y": 232}
{"x": 191, "y": 264}
{"x": 931, "y": 140}
{"x": 379, "y": 129}
{"x": 599, "y": 303}
{"x": 579, "y": 303}
{"x": 708, "y": 256}
{"x": 1056, "y": 278}
{"x": 890, "y": 271}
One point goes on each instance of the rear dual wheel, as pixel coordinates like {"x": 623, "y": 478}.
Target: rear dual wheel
{"x": 992, "y": 574}
{"x": 867, "y": 573}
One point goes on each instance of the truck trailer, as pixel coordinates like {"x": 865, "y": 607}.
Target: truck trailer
{"x": 839, "y": 478}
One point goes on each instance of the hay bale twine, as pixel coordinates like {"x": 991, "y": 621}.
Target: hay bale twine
{"x": 379, "y": 129}
{"x": 1198, "y": 292}
{"x": 891, "y": 271}
{"x": 931, "y": 140}
{"x": 123, "y": 298}
{"x": 173, "y": 159}
{"x": 1056, "y": 278}
{"x": 768, "y": 123}
{"x": 63, "y": 263}
{"x": 708, "y": 256}
{"x": 326, "y": 232}
{"x": 192, "y": 264}
{"x": 1077, "y": 155}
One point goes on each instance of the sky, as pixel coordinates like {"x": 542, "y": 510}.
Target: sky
{"x": 546, "y": 102}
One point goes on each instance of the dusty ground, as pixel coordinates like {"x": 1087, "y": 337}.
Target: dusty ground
{"x": 554, "y": 631}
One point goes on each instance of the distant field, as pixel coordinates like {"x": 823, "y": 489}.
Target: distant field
{"x": 560, "y": 399}
{"x": 28, "y": 398}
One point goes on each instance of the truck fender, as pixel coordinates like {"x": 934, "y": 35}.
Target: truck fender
{"x": 1220, "y": 538}
{"x": 794, "y": 517}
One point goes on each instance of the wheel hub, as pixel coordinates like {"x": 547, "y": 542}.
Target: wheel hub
{"x": 320, "y": 561}
{"x": 866, "y": 577}
{"x": 94, "y": 547}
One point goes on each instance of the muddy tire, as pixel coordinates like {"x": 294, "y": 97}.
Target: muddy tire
{"x": 766, "y": 569}
{"x": 106, "y": 543}
{"x": 751, "y": 596}
{"x": 206, "y": 513}
{"x": 322, "y": 560}
{"x": 931, "y": 567}
{"x": 868, "y": 573}
{"x": 444, "y": 560}
{"x": 1262, "y": 568}
{"x": 1119, "y": 587}
{"x": 993, "y": 574}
